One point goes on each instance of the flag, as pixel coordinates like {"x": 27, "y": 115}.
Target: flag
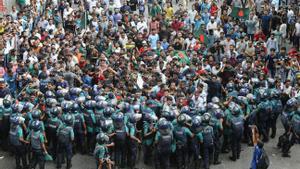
{"x": 182, "y": 56}
{"x": 241, "y": 13}
{"x": 84, "y": 19}
{"x": 201, "y": 35}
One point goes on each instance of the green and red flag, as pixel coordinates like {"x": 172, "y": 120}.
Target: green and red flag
{"x": 182, "y": 56}
{"x": 241, "y": 13}
{"x": 201, "y": 35}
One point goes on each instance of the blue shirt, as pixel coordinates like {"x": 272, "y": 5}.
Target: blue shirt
{"x": 153, "y": 40}
{"x": 265, "y": 21}
{"x": 256, "y": 155}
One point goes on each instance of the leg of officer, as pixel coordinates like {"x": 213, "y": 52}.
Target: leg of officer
{"x": 69, "y": 155}
{"x": 234, "y": 145}
{"x": 41, "y": 160}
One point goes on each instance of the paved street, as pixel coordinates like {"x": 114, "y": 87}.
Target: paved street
{"x": 277, "y": 162}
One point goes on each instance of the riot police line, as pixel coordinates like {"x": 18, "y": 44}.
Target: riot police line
{"x": 58, "y": 124}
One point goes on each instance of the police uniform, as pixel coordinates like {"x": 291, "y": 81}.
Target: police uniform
{"x": 15, "y": 134}
{"x": 148, "y": 137}
{"x": 36, "y": 139}
{"x": 53, "y": 124}
{"x": 65, "y": 136}
{"x": 181, "y": 135}
{"x": 120, "y": 139}
{"x": 208, "y": 145}
{"x": 164, "y": 147}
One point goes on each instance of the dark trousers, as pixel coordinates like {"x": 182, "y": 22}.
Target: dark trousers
{"x": 194, "y": 154}
{"x": 236, "y": 146}
{"x": 62, "y": 150}
{"x": 162, "y": 159}
{"x": 273, "y": 121}
{"x": 132, "y": 153}
{"x": 289, "y": 143}
{"x": 52, "y": 142}
{"x": 37, "y": 158}
{"x": 208, "y": 153}
{"x": 91, "y": 141}
{"x": 79, "y": 141}
{"x": 20, "y": 154}
{"x": 296, "y": 41}
{"x": 247, "y": 132}
{"x": 181, "y": 156}
{"x": 120, "y": 153}
{"x": 263, "y": 129}
{"x": 147, "y": 154}
{"x": 218, "y": 145}
{"x": 4, "y": 133}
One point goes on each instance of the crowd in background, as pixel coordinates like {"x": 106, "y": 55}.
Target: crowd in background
{"x": 185, "y": 79}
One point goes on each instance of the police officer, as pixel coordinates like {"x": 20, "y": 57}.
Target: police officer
{"x": 208, "y": 140}
{"x": 17, "y": 141}
{"x": 6, "y": 112}
{"x": 286, "y": 117}
{"x": 277, "y": 108}
{"x": 38, "y": 148}
{"x": 101, "y": 152}
{"x": 236, "y": 123}
{"x": 164, "y": 142}
{"x": 230, "y": 88}
{"x": 79, "y": 127}
{"x": 196, "y": 142}
{"x": 53, "y": 123}
{"x": 36, "y": 115}
{"x": 263, "y": 113}
{"x": 133, "y": 140}
{"x": 295, "y": 129}
{"x": 181, "y": 134}
{"x": 149, "y": 131}
{"x": 90, "y": 120}
{"x": 119, "y": 136}
{"x": 216, "y": 122}
{"x": 65, "y": 136}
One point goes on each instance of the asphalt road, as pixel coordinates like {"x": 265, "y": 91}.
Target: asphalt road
{"x": 277, "y": 162}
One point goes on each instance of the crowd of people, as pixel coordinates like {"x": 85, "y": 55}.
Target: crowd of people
{"x": 166, "y": 80}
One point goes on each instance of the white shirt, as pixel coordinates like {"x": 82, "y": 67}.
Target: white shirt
{"x": 212, "y": 26}
{"x": 49, "y": 27}
{"x": 297, "y": 28}
{"x": 67, "y": 12}
{"x": 91, "y": 4}
{"x": 141, "y": 26}
{"x": 192, "y": 14}
{"x": 282, "y": 29}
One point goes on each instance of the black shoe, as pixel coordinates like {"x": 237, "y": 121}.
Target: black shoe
{"x": 217, "y": 162}
{"x": 232, "y": 158}
{"x": 286, "y": 155}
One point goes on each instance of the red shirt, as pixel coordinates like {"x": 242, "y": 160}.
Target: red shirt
{"x": 258, "y": 36}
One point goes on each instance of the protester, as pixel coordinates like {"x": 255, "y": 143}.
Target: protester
{"x": 105, "y": 76}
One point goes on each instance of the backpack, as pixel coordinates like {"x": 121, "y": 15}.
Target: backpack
{"x": 263, "y": 162}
